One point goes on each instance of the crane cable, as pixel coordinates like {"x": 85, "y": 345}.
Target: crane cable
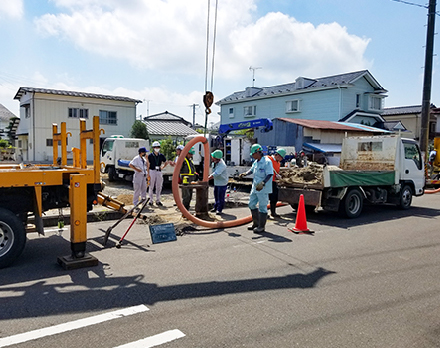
{"x": 208, "y": 98}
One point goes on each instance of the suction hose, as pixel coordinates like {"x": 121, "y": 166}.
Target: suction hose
{"x": 432, "y": 191}
{"x": 175, "y": 186}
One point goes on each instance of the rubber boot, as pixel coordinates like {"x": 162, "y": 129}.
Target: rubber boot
{"x": 272, "y": 211}
{"x": 254, "y": 220}
{"x": 261, "y": 223}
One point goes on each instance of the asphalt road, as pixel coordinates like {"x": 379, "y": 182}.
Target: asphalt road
{"x": 369, "y": 282}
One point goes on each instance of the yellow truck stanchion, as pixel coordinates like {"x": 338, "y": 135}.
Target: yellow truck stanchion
{"x": 30, "y": 190}
{"x": 78, "y": 226}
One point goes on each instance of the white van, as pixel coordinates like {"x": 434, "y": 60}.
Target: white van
{"x": 116, "y": 154}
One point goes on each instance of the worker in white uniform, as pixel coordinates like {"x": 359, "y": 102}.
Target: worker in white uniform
{"x": 141, "y": 174}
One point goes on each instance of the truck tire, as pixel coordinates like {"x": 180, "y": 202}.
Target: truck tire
{"x": 310, "y": 209}
{"x": 112, "y": 174}
{"x": 405, "y": 198}
{"x": 12, "y": 237}
{"x": 352, "y": 204}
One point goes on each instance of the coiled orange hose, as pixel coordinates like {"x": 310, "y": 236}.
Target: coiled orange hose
{"x": 432, "y": 191}
{"x": 175, "y": 187}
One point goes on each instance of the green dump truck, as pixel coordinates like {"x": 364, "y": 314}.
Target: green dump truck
{"x": 375, "y": 169}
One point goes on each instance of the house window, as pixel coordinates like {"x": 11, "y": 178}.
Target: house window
{"x": 358, "y": 100}
{"x": 27, "y": 111}
{"x": 375, "y": 103}
{"x": 78, "y": 113}
{"x": 49, "y": 142}
{"x": 20, "y": 143}
{"x": 108, "y": 117}
{"x": 370, "y": 146}
{"x": 250, "y": 111}
{"x": 231, "y": 112}
{"x": 293, "y": 105}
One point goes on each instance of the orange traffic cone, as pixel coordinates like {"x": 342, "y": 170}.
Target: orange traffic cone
{"x": 301, "y": 222}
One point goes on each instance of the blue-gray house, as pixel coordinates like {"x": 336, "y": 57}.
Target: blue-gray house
{"x": 354, "y": 97}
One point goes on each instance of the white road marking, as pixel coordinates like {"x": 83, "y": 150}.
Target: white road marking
{"x": 155, "y": 340}
{"x": 73, "y": 325}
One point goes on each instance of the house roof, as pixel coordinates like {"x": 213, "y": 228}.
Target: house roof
{"x": 168, "y": 128}
{"x": 332, "y": 125}
{"x": 23, "y": 90}
{"x": 391, "y": 125}
{"x": 402, "y": 110}
{"x": 405, "y": 110}
{"x": 356, "y": 113}
{"x": 5, "y": 114}
{"x": 324, "y": 148}
{"x": 321, "y": 82}
{"x": 167, "y": 116}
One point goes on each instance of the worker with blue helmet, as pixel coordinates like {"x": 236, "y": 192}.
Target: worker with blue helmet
{"x": 140, "y": 166}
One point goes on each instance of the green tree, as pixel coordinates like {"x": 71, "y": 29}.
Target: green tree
{"x": 249, "y": 133}
{"x": 4, "y": 143}
{"x": 168, "y": 148}
{"x": 139, "y": 130}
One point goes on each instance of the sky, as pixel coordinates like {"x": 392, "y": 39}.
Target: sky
{"x": 162, "y": 52}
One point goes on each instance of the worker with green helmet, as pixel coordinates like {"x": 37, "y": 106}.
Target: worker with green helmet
{"x": 187, "y": 175}
{"x": 276, "y": 159}
{"x": 262, "y": 169}
{"x": 220, "y": 176}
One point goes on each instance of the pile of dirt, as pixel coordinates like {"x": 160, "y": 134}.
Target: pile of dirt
{"x": 152, "y": 220}
{"x": 125, "y": 198}
{"x": 310, "y": 175}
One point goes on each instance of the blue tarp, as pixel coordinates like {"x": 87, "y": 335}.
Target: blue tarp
{"x": 123, "y": 163}
{"x": 324, "y": 148}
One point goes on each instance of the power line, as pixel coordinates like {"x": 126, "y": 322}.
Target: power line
{"x": 414, "y": 4}
{"x": 410, "y": 3}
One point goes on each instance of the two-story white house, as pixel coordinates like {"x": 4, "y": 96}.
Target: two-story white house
{"x": 354, "y": 97}
{"x": 6, "y": 117}
{"x": 40, "y": 108}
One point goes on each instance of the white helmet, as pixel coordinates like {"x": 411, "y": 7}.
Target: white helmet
{"x": 156, "y": 144}
{"x": 180, "y": 147}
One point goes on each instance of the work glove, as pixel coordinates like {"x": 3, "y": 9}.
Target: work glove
{"x": 278, "y": 176}
{"x": 242, "y": 175}
{"x": 260, "y": 186}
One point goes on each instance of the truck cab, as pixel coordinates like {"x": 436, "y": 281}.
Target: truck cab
{"x": 116, "y": 154}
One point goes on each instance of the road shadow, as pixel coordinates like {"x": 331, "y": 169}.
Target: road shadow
{"x": 371, "y": 214}
{"x": 271, "y": 237}
{"x": 105, "y": 293}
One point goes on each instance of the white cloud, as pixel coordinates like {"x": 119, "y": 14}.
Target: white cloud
{"x": 171, "y": 36}
{"x": 286, "y": 49}
{"x": 13, "y": 9}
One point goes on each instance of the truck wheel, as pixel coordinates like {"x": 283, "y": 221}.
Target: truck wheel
{"x": 12, "y": 237}
{"x": 112, "y": 174}
{"x": 310, "y": 209}
{"x": 405, "y": 198}
{"x": 351, "y": 205}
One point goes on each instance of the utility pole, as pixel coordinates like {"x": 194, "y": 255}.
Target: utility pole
{"x": 148, "y": 106}
{"x": 194, "y": 114}
{"x": 427, "y": 80}
{"x": 253, "y": 74}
